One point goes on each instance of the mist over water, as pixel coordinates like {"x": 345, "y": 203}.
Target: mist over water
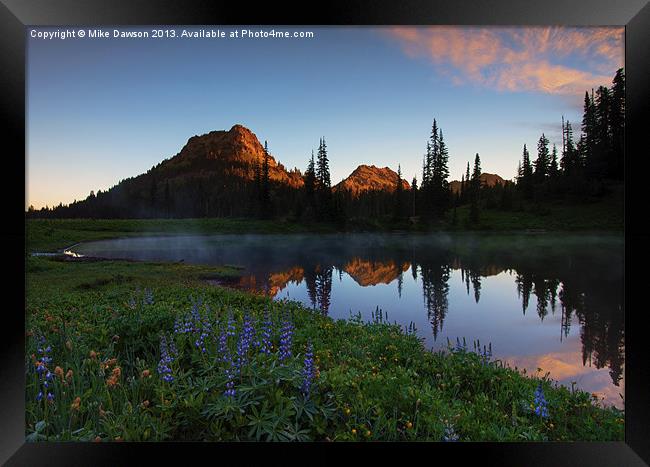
{"x": 545, "y": 301}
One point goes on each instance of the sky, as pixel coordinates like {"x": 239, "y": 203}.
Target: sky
{"x": 103, "y": 109}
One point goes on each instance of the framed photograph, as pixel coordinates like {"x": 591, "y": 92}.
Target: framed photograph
{"x": 373, "y": 228}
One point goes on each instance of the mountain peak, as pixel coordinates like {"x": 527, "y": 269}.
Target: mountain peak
{"x": 240, "y": 130}
{"x": 487, "y": 179}
{"x": 236, "y": 150}
{"x": 371, "y": 178}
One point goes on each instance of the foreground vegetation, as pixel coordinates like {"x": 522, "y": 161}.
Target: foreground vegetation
{"x": 147, "y": 352}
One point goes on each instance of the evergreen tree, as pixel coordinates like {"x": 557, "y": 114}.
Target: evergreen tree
{"x": 414, "y": 195}
{"x": 603, "y": 133}
{"x": 442, "y": 176}
{"x": 168, "y": 199}
{"x": 461, "y": 190}
{"x": 526, "y": 180}
{"x": 589, "y": 132}
{"x": 152, "y": 193}
{"x": 427, "y": 168}
{"x": 475, "y": 191}
{"x": 569, "y": 162}
{"x": 399, "y": 195}
{"x": 324, "y": 184}
{"x": 310, "y": 182}
{"x": 553, "y": 167}
{"x": 543, "y": 162}
{"x": 467, "y": 190}
{"x": 258, "y": 183}
{"x": 322, "y": 168}
{"x": 265, "y": 184}
{"x": 617, "y": 121}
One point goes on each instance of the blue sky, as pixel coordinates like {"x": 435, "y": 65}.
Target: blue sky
{"x": 101, "y": 110}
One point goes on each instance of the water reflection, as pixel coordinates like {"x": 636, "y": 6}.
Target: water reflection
{"x": 571, "y": 286}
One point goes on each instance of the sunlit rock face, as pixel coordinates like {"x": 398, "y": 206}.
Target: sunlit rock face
{"x": 367, "y": 273}
{"x": 279, "y": 280}
{"x": 370, "y": 178}
{"x": 486, "y": 180}
{"x": 237, "y": 151}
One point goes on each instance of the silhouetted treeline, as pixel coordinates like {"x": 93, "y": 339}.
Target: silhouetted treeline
{"x": 584, "y": 167}
{"x": 212, "y": 187}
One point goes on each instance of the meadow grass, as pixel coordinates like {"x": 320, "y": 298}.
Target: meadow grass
{"x": 151, "y": 352}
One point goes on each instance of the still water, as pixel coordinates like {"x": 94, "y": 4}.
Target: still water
{"x": 549, "y": 302}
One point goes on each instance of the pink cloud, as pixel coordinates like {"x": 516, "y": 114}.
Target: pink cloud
{"x": 553, "y": 60}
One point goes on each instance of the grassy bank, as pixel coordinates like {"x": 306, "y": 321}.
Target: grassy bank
{"x": 601, "y": 215}
{"x": 233, "y": 366}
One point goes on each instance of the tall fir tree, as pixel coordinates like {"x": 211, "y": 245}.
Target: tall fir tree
{"x": 543, "y": 161}
{"x": 617, "y": 121}
{"x": 554, "y": 170}
{"x": 322, "y": 167}
{"x": 569, "y": 162}
{"x": 603, "y": 143}
{"x": 475, "y": 191}
{"x": 526, "y": 180}
{"x": 399, "y": 195}
{"x": 266, "y": 184}
{"x": 589, "y": 132}
{"x": 324, "y": 184}
{"x": 310, "y": 182}
{"x": 414, "y": 196}
{"x": 442, "y": 176}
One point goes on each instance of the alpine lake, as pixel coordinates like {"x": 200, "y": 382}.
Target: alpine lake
{"x": 540, "y": 302}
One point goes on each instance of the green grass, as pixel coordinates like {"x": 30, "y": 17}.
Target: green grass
{"x": 372, "y": 381}
{"x": 602, "y": 215}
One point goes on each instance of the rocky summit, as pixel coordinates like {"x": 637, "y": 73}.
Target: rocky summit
{"x": 371, "y": 178}
{"x": 237, "y": 151}
{"x": 486, "y": 180}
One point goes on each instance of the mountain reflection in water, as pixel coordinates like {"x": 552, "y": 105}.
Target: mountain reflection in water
{"x": 543, "y": 301}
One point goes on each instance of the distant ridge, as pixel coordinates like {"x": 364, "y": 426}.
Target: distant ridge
{"x": 370, "y": 178}
{"x": 486, "y": 180}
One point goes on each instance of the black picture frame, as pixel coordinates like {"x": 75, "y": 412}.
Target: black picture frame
{"x": 16, "y": 15}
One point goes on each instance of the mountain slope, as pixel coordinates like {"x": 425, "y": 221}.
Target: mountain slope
{"x": 486, "y": 180}
{"x": 236, "y": 152}
{"x": 370, "y": 178}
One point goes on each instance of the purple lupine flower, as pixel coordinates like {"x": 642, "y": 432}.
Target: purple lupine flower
{"x": 204, "y": 328}
{"x": 148, "y": 297}
{"x": 264, "y": 343}
{"x": 308, "y": 371}
{"x": 286, "y": 336}
{"x": 486, "y": 355}
{"x": 450, "y": 434}
{"x": 230, "y": 326}
{"x": 541, "y": 408}
{"x": 245, "y": 340}
{"x": 231, "y": 372}
{"x": 167, "y": 354}
{"x": 45, "y": 375}
{"x": 222, "y": 346}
